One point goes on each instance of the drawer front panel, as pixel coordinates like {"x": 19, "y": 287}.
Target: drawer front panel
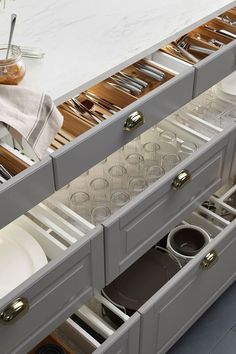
{"x": 169, "y": 313}
{"x": 93, "y": 146}
{"x": 125, "y": 340}
{"x": 54, "y": 293}
{"x": 25, "y": 190}
{"x": 142, "y": 223}
{"x": 214, "y": 68}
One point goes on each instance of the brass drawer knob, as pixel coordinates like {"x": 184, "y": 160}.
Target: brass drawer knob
{"x": 14, "y": 311}
{"x": 183, "y": 177}
{"x": 209, "y": 260}
{"x": 134, "y": 120}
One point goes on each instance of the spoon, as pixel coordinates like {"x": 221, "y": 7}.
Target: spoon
{"x": 13, "y": 22}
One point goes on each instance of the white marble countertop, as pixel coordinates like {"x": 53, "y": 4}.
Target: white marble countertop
{"x": 87, "y": 41}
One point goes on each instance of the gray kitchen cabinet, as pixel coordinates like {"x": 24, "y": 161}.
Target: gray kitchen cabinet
{"x": 83, "y": 258}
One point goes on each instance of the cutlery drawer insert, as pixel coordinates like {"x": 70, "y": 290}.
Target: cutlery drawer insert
{"x": 48, "y": 296}
{"x": 31, "y": 181}
{"x": 213, "y": 46}
{"x": 164, "y": 317}
{"x": 86, "y": 148}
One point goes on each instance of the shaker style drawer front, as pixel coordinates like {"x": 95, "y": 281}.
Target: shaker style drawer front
{"x": 171, "y": 311}
{"x": 135, "y": 228}
{"x": 214, "y": 68}
{"x": 54, "y": 292}
{"x": 94, "y": 145}
{"x": 25, "y": 190}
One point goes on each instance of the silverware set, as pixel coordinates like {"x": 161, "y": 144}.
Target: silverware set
{"x": 134, "y": 85}
{"x": 226, "y": 19}
{"x": 93, "y": 109}
{"x": 193, "y": 46}
{"x": 222, "y": 31}
{"x": 151, "y": 71}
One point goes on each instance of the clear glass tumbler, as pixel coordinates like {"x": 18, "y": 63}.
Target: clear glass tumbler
{"x": 134, "y": 165}
{"x": 186, "y": 148}
{"x": 169, "y": 161}
{"x": 153, "y": 173}
{"x": 100, "y": 189}
{"x": 168, "y": 142}
{"x": 118, "y": 177}
{"x": 151, "y": 154}
{"x": 137, "y": 185}
{"x": 99, "y": 214}
{"x": 80, "y": 203}
{"x": 118, "y": 200}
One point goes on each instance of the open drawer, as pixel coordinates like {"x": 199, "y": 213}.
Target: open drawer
{"x": 60, "y": 259}
{"x": 89, "y": 331}
{"x": 32, "y": 180}
{"x": 213, "y": 46}
{"x": 171, "y": 311}
{"x": 86, "y": 140}
{"x": 143, "y": 219}
{"x": 103, "y": 326}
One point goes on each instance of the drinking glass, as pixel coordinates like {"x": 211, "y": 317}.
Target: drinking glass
{"x": 118, "y": 200}
{"x": 186, "y": 148}
{"x": 153, "y": 173}
{"x": 151, "y": 154}
{"x": 99, "y": 214}
{"x": 118, "y": 177}
{"x": 134, "y": 165}
{"x": 169, "y": 161}
{"x": 137, "y": 185}
{"x": 80, "y": 203}
{"x": 99, "y": 189}
{"x": 168, "y": 142}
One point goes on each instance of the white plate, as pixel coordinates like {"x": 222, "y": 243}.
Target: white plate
{"x": 20, "y": 257}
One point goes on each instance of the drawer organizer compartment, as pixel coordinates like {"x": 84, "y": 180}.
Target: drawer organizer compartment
{"x": 20, "y": 169}
{"x": 55, "y": 263}
{"x": 104, "y": 325}
{"x": 136, "y": 207}
{"x": 117, "y": 109}
{"x": 210, "y": 48}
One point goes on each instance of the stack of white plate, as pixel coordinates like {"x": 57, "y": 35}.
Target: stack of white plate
{"x": 20, "y": 257}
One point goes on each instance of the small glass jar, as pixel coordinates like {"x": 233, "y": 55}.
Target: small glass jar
{"x": 12, "y": 69}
